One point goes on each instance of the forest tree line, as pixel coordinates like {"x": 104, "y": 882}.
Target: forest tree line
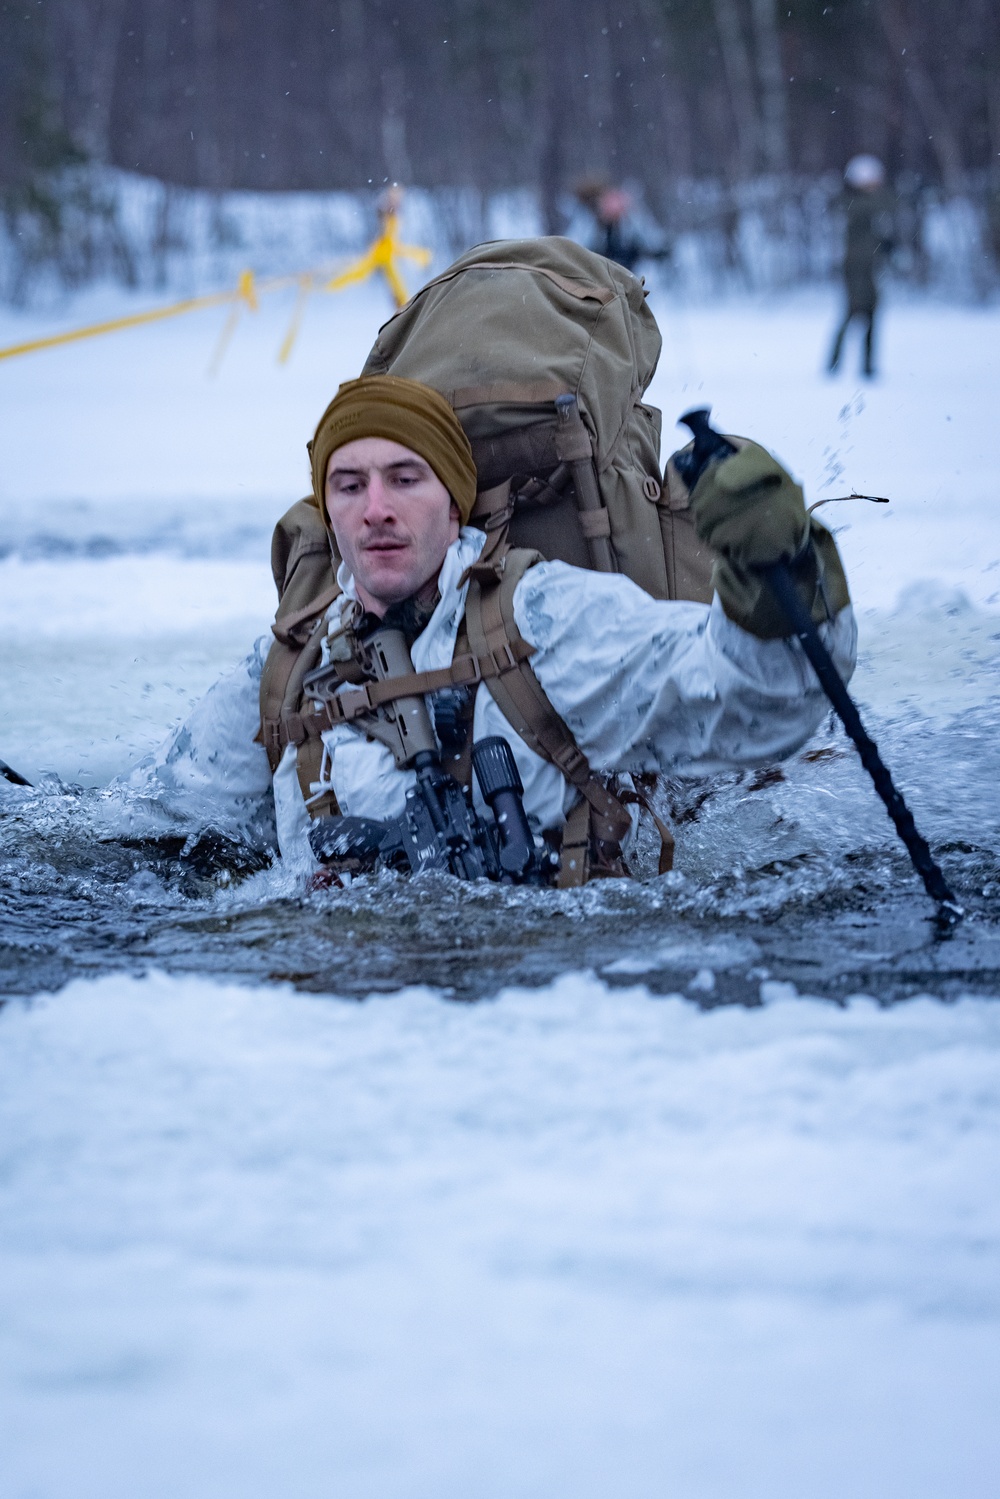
{"x": 319, "y": 94}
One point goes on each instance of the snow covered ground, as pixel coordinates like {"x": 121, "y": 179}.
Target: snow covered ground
{"x": 577, "y": 1240}
{"x": 570, "y": 1242}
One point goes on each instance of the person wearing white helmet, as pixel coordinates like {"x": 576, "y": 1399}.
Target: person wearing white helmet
{"x": 864, "y": 173}
{"x": 868, "y": 240}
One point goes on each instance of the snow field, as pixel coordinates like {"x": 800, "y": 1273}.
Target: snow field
{"x": 577, "y": 1240}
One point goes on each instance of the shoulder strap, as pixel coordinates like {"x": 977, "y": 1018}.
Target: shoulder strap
{"x": 281, "y": 688}
{"x": 294, "y": 629}
{"x": 304, "y": 574}
{"x": 519, "y": 695}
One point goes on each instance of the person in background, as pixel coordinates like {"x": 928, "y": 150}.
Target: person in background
{"x": 868, "y": 241}
{"x": 611, "y": 207}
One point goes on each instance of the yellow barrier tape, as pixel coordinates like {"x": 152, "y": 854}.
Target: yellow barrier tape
{"x": 381, "y": 256}
{"x": 244, "y": 290}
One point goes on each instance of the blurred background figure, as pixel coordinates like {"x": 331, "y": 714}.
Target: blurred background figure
{"x": 617, "y": 237}
{"x": 868, "y": 240}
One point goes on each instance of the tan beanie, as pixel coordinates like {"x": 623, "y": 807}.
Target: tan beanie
{"x": 405, "y": 412}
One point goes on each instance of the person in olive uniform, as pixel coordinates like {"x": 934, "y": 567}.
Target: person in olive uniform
{"x": 868, "y": 240}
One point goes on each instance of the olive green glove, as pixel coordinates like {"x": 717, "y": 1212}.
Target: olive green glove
{"x": 750, "y": 511}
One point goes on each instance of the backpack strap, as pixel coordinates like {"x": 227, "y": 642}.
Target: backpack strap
{"x": 638, "y": 797}
{"x": 281, "y": 697}
{"x": 304, "y": 569}
{"x": 574, "y": 850}
{"x": 295, "y": 629}
{"x": 294, "y": 653}
{"x": 519, "y": 695}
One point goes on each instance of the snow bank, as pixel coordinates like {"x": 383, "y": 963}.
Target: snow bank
{"x": 133, "y": 422}
{"x": 920, "y": 434}
{"x": 574, "y": 1241}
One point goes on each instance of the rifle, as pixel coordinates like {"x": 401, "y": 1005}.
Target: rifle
{"x": 440, "y": 828}
{"x": 710, "y": 446}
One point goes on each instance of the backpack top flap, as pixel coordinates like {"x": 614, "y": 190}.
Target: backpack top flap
{"x": 515, "y": 323}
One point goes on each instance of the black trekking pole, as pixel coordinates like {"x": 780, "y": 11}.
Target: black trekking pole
{"x": 709, "y": 444}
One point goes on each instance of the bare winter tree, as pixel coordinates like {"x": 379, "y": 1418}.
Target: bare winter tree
{"x": 738, "y": 67}
{"x": 771, "y": 73}
{"x": 487, "y": 94}
{"x": 903, "y": 38}
{"x": 88, "y": 39}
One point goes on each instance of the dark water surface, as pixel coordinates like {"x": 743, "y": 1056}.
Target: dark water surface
{"x": 789, "y": 875}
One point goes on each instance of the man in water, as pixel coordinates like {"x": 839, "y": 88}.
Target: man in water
{"x": 642, "y": 685}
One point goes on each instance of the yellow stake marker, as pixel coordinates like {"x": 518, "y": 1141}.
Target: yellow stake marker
{"x": 382, "y": 256}
{"x": 245, "y": 292}
{"x": 305, "y": 287}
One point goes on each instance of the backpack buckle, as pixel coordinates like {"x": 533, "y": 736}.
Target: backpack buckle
{"x": 294, "y": 728}
{"x": 573, "y": 763}
{"x": 504, "y": 659}
{"x": 466, "y": 671}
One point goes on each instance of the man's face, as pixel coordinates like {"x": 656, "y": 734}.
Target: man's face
{"x": 392, "y": 517}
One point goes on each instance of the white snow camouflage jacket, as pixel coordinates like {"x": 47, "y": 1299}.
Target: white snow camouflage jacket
{"x": 644, "y": 685}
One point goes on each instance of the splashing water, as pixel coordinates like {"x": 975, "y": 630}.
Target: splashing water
{"x": 789, "y": 874}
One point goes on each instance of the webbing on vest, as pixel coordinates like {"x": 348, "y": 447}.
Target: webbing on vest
{"x": 353, "y": 703}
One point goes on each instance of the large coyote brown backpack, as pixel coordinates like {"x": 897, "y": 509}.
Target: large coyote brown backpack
{"x": 545, "y": 351}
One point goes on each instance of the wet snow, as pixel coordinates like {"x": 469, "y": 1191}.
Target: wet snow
{"x": 575, "y": 1241}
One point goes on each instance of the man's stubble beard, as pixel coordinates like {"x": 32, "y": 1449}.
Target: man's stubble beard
{"x": 380, "y": 588}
